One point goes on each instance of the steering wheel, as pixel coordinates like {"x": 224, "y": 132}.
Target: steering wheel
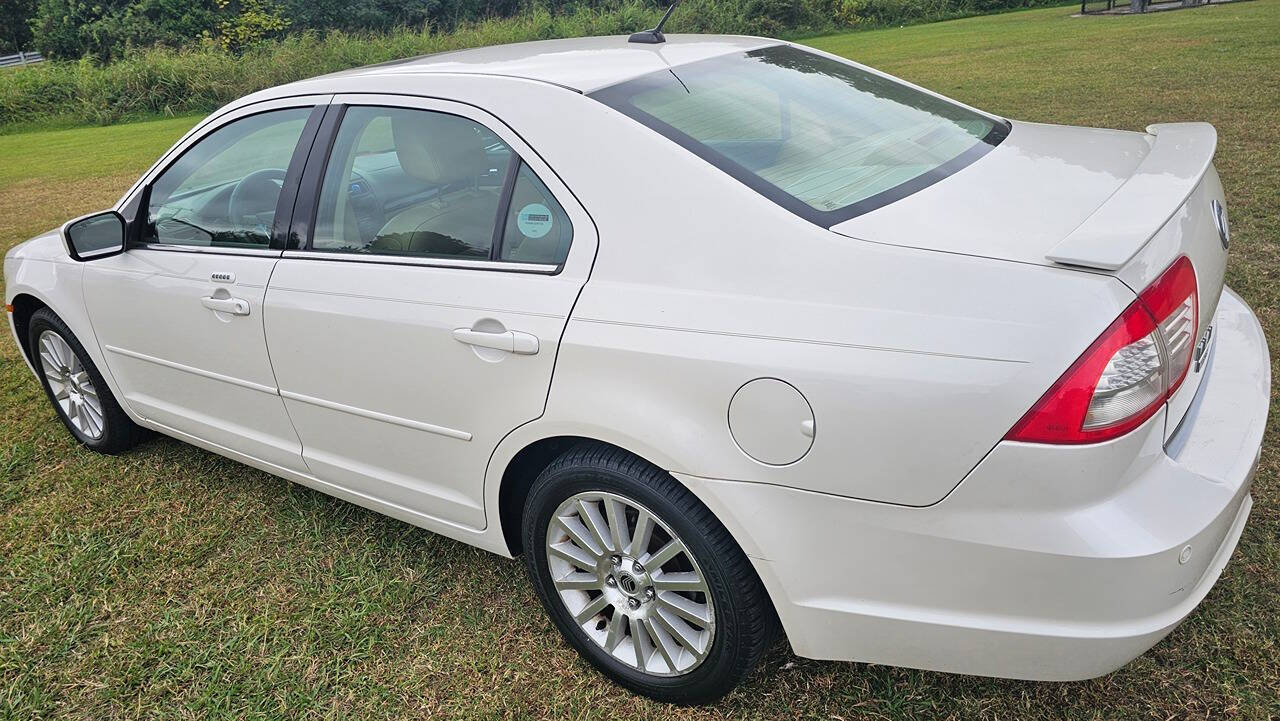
{"x": 256, "y": 193}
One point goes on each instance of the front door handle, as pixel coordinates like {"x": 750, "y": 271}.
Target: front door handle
{"x": 512, "y": 341}
{"x": 232, "y": 306}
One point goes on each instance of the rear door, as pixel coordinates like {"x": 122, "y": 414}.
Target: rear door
{"x": 417, "y": 322}
{"x": 179, "y": 314}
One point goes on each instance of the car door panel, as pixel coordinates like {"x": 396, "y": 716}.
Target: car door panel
{"x": 197, "y": 370}
{"x": 179, "y": 315}
{"x": 386, "y": 400}
{"x": 403, "y": 374}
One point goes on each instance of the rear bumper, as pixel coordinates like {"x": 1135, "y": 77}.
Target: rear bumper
{"x": 1048, "y": 563}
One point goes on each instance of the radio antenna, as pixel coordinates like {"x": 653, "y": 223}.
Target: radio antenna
{"x": 655, "y": 36}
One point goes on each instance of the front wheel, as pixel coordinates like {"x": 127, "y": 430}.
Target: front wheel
{"x": 641, "y": 579}
{"x": 76, "y": 389}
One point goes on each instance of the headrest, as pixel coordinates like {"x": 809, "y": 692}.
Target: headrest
{"x": 438, "y": 148}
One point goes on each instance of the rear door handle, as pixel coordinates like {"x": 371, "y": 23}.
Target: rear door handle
{"x": 233, "y": 306}
{"x": 512, "y": 341}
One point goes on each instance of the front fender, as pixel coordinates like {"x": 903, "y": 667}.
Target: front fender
{"x": 41, "y": 269}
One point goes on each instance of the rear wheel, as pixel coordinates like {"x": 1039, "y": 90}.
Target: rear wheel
{"x": 76, "y": 389}
{"x": 641, "y": 579}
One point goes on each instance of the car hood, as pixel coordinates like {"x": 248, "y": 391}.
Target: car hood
{"x": 1017, "y": 202}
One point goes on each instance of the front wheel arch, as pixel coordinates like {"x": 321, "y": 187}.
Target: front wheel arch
{"x": 25, "y": 306}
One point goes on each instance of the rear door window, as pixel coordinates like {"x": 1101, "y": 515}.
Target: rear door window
{"x": 426, "y": 184}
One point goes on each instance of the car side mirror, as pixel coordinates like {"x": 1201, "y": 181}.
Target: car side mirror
{"x": 95, "y": 236}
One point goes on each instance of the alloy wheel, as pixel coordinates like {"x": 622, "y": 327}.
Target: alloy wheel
{"x": 73, "y": 391}
{"x": 630, "y": 583}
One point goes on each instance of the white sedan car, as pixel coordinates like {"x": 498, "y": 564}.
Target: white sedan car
{"x": 725, "y": 335}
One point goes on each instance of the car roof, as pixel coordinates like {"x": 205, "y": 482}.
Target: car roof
{"x": 582, "y": 64}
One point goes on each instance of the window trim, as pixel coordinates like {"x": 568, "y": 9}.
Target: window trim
{"x": 159, "y": 247}
{"x": 507, "y": 266}
{"x": 504, "y": 206}
{"x": 302, "y": 227}
{"x": 301, "y": 234}
{"x": 288, "y": 200}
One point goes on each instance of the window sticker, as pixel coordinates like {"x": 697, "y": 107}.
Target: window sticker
{"x": 534, "y": 220}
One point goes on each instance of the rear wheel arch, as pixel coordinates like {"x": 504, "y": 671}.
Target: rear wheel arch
{"x": 529, "y": 462}
{"x": 745, "y": 617}
{"x": 518, "y": 478}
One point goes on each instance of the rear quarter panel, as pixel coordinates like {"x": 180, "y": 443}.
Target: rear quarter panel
{"x": 912, "y": 379}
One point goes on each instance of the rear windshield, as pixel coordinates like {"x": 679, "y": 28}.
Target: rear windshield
{"x": 825, "y": 139}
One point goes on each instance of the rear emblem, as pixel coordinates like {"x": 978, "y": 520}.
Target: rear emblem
{"x": 1220, "y": 220}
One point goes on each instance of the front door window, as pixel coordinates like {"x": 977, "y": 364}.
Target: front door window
{"x": 223, "y": 191}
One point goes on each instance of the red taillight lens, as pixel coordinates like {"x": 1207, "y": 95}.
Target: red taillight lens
{"x": 1124, "y": 377}
{"x": 1174, "y": 303}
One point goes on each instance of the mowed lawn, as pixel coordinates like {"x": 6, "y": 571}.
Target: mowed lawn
{"x": 171, "y": 583}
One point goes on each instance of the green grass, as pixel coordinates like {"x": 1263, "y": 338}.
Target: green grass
{"x": 171, "y": 583}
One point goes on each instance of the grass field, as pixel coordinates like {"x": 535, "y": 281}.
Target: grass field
{"x": 171, "y": 583}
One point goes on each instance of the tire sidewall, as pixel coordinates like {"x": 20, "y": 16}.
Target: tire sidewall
{"x": 705, "y": 682}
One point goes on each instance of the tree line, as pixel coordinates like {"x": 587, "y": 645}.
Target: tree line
{"x": 106, "y": 29}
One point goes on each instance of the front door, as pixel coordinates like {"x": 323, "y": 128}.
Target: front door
{"x": 419, "y": 323}
{"x": 179, "y": 316}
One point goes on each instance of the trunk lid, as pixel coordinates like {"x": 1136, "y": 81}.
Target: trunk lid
{"x": 1127, "y": 204}
{"x": 1052, "y": 194}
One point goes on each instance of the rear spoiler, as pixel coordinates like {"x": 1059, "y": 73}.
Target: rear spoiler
{"x": 1180, "y": 155}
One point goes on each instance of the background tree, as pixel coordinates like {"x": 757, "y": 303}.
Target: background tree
{"x": 15, "y": 32}
{"x": 104, "y": 29}
{"x": 251, "y": 22}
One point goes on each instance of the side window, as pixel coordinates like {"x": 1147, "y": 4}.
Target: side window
{"x": 537, "y": 229}
{"x": 427, "y": 184}
{"x": 222, "y": 192}
{"x": 412, "y": 183}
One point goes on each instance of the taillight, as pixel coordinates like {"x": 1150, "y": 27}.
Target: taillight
{"x": 1173, "y": 301}
{"x": 1128, "y": 373}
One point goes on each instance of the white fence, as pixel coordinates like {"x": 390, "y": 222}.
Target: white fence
{"x": 20, "y": 59}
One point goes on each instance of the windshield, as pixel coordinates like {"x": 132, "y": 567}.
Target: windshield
{"x": 825, "y": 139}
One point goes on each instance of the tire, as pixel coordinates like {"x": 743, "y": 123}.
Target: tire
{"x": 71, "y": 381}
{"x": 681, "y": 661}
